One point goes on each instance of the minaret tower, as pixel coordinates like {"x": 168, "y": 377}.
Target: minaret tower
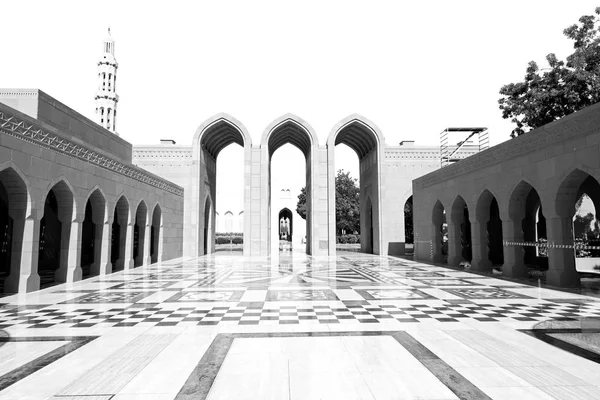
{"x": 106, "y": 95}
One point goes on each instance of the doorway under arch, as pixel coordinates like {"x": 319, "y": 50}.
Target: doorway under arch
{"x": 365, "y": 138}
{"x": 214, "y": 135}
{"x": 289, "y": 129}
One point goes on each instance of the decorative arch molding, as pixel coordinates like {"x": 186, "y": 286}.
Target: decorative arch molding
{"x": 230, "y": 126}
{"x": 128, "y": 203}
{"x": 285, "y": 126}
{"x": 368, "y": 142}
{"x": 57, "y": 181}
{"x": 104, "y": 206}
{"x": 361, "y": 124}
{"x": 572, "y": 186}
{"x": 28, "y": 201}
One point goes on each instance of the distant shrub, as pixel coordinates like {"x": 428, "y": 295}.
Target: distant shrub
{"x": 348, "y": 239}
{"x": 223, "y": 240}
{"x": 237, "y": 239}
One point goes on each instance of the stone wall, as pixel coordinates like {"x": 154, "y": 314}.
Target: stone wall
{"x": 38, "y": 157}
{"x": 558, "y": 161}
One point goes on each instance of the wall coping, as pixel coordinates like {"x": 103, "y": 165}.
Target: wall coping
{"x": 26, "y": 128}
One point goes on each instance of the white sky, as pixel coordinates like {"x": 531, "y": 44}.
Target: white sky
{"x": 413, "y": 69}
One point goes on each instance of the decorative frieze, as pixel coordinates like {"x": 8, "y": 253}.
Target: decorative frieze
{"x": 29, "y": 132}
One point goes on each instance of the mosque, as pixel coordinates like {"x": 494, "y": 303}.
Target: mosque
{"x": 79, "y": 201}
{"x": 112, "y": 288}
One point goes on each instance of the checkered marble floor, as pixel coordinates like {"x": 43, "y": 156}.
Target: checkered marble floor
{"x": 66, "y": 341}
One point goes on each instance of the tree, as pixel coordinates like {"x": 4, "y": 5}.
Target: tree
{"x": 551, "y": 93}
{"x": 347, "y": 202}
{"x": 301, "y": 205}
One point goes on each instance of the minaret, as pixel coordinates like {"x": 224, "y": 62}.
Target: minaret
{"x": 106, "y": 95}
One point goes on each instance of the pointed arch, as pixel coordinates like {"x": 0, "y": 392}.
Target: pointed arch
{"x": 289, "y": 128}
{"x": 120, "y": 240}
{"x": 219, "y": 131}
{"x": 358, "y": 132}
{"x": 571, "y": 188}
{"x": 368, "y": 142}
{"x": 139, "y": 233}
{"x": 17, "y": 186}
{"x": 15, "y": 208}
{"x": 156, "y": 235}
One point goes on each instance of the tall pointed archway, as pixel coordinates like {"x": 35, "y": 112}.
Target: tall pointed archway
{"x": 365, "y": 138}
{"x": 211, "y": 137}
{"x": 295, "y": 131}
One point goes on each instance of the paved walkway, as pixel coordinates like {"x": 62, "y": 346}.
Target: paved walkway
{"x": 349, "y": 327}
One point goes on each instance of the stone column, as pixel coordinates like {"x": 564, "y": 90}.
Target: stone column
{"x": 454, "y": 244}
{"x": 479, "y": 244}
{"x": 70, "y": 250}
{"x": 146, "y": 255}
{"x": 159, "y": 248}
{"x": 561, "y": 261}
{"x": 514, "y": 265}
{"x": 128, "y": 256}
{"x": 24, "y": 276}
{"x": 102, "y": 262}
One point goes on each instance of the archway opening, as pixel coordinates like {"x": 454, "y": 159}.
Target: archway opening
{"x": 289, "y": 144}
{"x": 286, "y": 229}
{"x": 529, "y": 246}
{"x": 409, "y": 237}
{"x": 439, "y": 243}
{"x": 14, "y": 200}
{"x": 139, "y": 234}
{"x": 223, "y": 146}
{"x": 55, "y": 233}
{"x": 490, "y": 250}
{"x": 356, "y": 181}
{"x": 87, "y": 241}
{"x": 156, "y": 235}
{"x": 578, "y": 200}
{"x": 118, "y": 238}
{"x": 92, "y": 231}
{"x": 459, "y": 236}
{"x": 6, "y": 233}
{"x": 208, "y": 237}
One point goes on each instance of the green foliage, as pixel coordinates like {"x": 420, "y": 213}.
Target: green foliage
{"x": 348, "y": 239}
{"x": 408, "y": 222}
{"x": 551, "y": 93}
{"x": 301, "y": 205}
{"x": 586, "y": 227}
{"x": 347, "y": 203}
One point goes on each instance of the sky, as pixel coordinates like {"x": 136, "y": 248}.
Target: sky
{"x": 413, "y": 68}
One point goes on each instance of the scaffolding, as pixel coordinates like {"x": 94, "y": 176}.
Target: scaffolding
{"x": 475, "y": 140}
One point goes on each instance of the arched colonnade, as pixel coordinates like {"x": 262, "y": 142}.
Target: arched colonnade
{"x": 528, "y": 223}
{"x": 57, "y": 234}
{"x": 260, "y": 233}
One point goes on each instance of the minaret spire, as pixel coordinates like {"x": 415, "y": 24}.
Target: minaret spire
{"x": 106, "y": 95}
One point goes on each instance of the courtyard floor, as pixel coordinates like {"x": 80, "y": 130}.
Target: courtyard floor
{"x": 354, "y": 326}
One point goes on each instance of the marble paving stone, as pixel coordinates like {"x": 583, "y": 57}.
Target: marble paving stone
{"x": 458, "y": 335}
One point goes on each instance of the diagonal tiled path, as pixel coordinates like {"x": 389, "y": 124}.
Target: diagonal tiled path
{"x": 352, "y": 326}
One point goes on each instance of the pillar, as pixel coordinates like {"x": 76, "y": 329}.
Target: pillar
{"x": 454, "y": 244}
{"x": 479, "y": 244}
{"x": 561, "y": 261}
{"x": 70, "y": 250}
{"x": 514, "y": 264}
{"x": 102, "y": 264}
{"x": 146, "y": 252}
{"x": 128, "y": 256}
{"x": 24, "y": 276}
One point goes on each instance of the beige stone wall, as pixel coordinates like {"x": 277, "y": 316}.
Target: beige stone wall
{"x": 71, "y": 124}
{"x": 554, "y": 160}
{"x": 43, "y": 157}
